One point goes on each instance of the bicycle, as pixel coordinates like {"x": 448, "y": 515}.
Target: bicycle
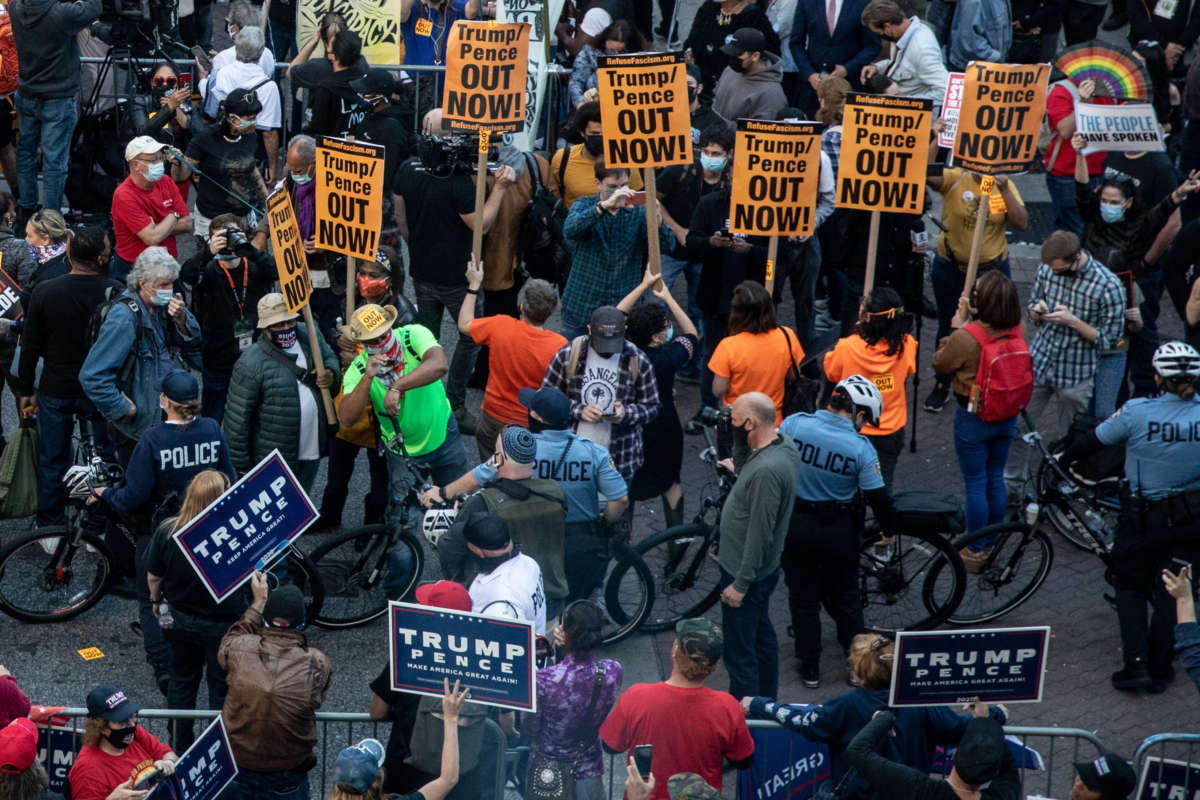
{"x": 682, "y": 561}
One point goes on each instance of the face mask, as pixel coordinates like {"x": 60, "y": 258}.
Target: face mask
{"x": 535, "y": 425}
{"x": 121, "y": 738}
{"x": 735, "y": 64}
{"x": 1112, "y": 212}
{"x": 284, "y": 339}
{"x": 670, "y": 332}
{"x": 155, "y": 171}
{"x": 300, "y": 178}
{"x": 163, "y": 296}
{"x": 382, "y": 347}
{"x": 712, "y": 163}
{"x": 371, "y": 287}
{"x": 594, "y": 145}
{"x": 691, "y": 94}
{"x": 489, "y": 563}
{"x": 741, "y": 437}
{"x": 242, "y": 125}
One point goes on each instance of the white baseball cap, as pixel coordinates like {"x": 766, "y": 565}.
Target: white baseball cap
{"x": 595, "y": 21}
{"x": 141, "y": 145}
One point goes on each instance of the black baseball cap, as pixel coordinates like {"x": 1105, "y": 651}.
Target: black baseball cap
{"x": 487, "y": 532}
{"x": 744, "y": 40}
{"x": 981, "y": 751}
{"x": 109, "y": 701}
{"x": 1110, "y": 775}
{"x": 607, "y": 330}
{"x": 376, "y": 81}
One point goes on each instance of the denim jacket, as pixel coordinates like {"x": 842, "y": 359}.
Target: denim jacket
{"x": 99, "y": 373}
{"x": 981, "y": 31}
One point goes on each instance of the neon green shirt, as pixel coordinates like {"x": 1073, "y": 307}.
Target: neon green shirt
{"x": 424, "y": 411}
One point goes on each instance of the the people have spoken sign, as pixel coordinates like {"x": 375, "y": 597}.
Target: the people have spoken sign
{"x": 997, "y": 665}
{"x": 776, "y": 166}
{"x": 1130, "y": 128}
{"x": 885, "y": 146}
{"x": 349, "y": 204}
{"x": 644, "y": 110}
{"x": 1001, "y": 116}
{"x": 485, "y": 76}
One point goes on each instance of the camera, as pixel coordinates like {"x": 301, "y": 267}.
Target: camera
{"x": 236, "y": 244}
{"x": 455, "y": 154}
{"x": 721, "y": 421}
{"x": 124, "y": 22}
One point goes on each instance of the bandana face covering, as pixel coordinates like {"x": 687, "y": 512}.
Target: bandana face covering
{"x": 389, "y": 348}
{"x": 44, "y": 252}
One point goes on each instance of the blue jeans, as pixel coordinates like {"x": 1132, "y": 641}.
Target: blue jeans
{"x": 212, "y": 397}
{"x": 283, "y": 41}
{"x": 1062, "y": 200}
{"x": 290, "y": 785}
{"x": 751, "y": 647}
{"x": 50, "y": 124}
{"x": 672, "y": 268}
{"x": 1110, "y": 374}
{"x": 571, "y": 327}
{"x": 158, "y": 654}
{"x": 55, "y": 424}
{"x": 948, "y": 281}
{"x": 982, "y": 449}
{"x": 447, "y": 463}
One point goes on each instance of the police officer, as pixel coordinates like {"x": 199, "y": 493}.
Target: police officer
{"x": 1160, "y": 509}
{"x": 820, "y": 555}
{"x": 585, "y": 471}
{"x": 163, "y": 463}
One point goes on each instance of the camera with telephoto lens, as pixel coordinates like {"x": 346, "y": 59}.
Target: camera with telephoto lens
{"x": 721, "y": 421}
{"x": 129, "y": 23}
{"x": 453, "y": 154}
{"x": 236, "y": 244}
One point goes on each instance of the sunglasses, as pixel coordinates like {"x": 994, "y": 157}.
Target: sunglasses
{"x": 159, "y": 82}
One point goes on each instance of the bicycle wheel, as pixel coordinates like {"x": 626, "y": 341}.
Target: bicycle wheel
{"x": 355, "y": 569}
{"x": 1084, "y": 519}
{"x": 1018, "y": 562}
{"x": 302, "y": 573}
{"x": 44, "y": 577}
{"x": 684, "y": 574}
{"x": 628, "y": 594}
{"x": 912, "y": 582}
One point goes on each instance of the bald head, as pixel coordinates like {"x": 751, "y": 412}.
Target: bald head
{"x": 433, "y": 122}
{"x": 756, "y": 406}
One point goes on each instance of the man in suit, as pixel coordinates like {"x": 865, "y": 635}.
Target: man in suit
{"x": 828, "y": 37}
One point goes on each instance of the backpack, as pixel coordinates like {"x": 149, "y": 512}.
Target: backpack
{"x": 540, "y": 241}
{"x": 1004, "y": 381}
{"x": 8, "y": 54}
{"x": 112, "y": 297}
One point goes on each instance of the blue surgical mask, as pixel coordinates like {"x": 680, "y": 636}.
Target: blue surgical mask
{"x": 1112, "y": 212}
{"x": 712, "y": 163}
{"x": 155, "y": 171}
{"x": 163, "y": 296}
{"x": 300, "y": 178}
{"x": 670, "y": 332}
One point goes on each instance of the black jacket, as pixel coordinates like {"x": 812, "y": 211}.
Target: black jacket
{"x": 721, "y": 268}
{"x": 1123, "y": 244}
{"x": 215, "y": 302}
{"x": 44, "y": 31}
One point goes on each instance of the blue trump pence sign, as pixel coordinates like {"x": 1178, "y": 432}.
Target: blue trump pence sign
{"x": 245, "y": 527}
{"x": 204, "y": 771}
{"x": 492, "y": 656}
{"x": 997, "y": 665}
{"x": 1168, "y": 780}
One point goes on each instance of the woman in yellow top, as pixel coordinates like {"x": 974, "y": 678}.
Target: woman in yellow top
{"x": 880, "y": 349}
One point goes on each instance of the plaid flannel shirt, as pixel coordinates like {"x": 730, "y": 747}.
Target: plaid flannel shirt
{"x": 638, "y": 394}
{"x": 1062, "y": 357}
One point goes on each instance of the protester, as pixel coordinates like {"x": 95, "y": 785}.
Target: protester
{"x": 751, "y": 86}
{"x": 333, "y": 106}
{"x": 917, "y": 69}
{"x": 147, "y": 211}
{"x": 1060, "y": 155}
{"x": 1187, "y": 634}
{"x": 1108, "y": 777}
{"x": 509, "y": 583}
{"x": 245, "y": 73}
{"x": 982, "y": 30}
{"x": 618, "y": 38}
{"x": 711, "y": 27}
{"x": 13, "y": 702}
{"x": 47, "y": 234}
{"x": 116, "y": 751}
{"x": 573, "y": 168}
{"x": 22, "y": 776}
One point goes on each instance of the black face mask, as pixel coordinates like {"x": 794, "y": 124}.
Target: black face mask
{"x": 741, "y": 437}
{"x": 121, "y": 738}
{"x": 691, "y": 94}
{"x": 594, "y": 145}
{"x": 489, "y": 563}
{"x": 536, "y": 425}
{"x": 735, "y": 64}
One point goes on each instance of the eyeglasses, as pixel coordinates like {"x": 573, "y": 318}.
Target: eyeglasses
{"x": 160, "y": 82}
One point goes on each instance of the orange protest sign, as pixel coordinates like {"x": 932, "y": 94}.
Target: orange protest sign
{"x": 486, "y": 68}
{"x": 885, "y": 147}
{"x": 775, "y": 170}
{"x": 349, "y": 204}
{"x": 1001, "y": 117}
{"x": 290, "y": 260}
{"x": 90, "y": 653}
{"x": 644, "y": 110}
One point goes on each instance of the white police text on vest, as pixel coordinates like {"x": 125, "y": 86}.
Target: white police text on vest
{"x": 192, "y": 455}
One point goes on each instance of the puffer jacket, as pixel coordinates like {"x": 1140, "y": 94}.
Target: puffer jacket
{"x": 276, "y": 684}
{"x": 116, "y": 338}
{"x": 262, "y": 411}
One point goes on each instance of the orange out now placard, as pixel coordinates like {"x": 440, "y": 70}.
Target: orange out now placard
{"x": 885, "y": 147}
{"x": 486, "y": 67}
{"x": 1001, "y": 114}
{"x": 349, "y": 201}
{"x": 290, "y": 259}
{"x": 644, "y": 110}
{"x": 776, "y": 166}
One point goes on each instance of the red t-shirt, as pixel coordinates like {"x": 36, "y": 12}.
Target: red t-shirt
{"x": 1060, "y": 103}
{"x": 133, "y": 209}
{"x": 518, "y": 355}
{"x": 95, "y": 773}
{"x": 653, "y": 713}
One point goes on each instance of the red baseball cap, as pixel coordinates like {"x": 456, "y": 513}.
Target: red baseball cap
{"x": 18, "y": 746}
{"x": 444, "y": 594}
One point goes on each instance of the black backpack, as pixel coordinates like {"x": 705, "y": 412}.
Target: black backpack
{"x": 540, "y": 242}
{"x": 112, "y": 297}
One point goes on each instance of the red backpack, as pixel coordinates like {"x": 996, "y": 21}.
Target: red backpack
{"x": 8, "y": 54}
{"x": 1004, "y": 382}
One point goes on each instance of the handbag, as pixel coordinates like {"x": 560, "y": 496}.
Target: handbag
{"x": 799, "y": 392}
{"x": 833, "y": 791}
{"x": 551, "y": 779}
{"x": 425, "y": 741}
{"x": 18, "y": 473}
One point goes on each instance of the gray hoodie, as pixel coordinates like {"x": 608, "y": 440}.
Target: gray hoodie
{"x": 44, "y": 31}
{"x": 757, "y": 95}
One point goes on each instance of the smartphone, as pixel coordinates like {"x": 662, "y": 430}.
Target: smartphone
{"x": 637, "y": 199}
{"x": 202, "y": 58}
{"x": 185, "y": 80}
{"x": 1178, "y": 565}
{"x": 641, "y": 759}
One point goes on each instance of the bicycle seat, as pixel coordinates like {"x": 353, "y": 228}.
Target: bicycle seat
{"x": 929, "y": 511}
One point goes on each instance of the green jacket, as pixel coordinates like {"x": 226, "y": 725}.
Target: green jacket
{"x": 262, "y": 411}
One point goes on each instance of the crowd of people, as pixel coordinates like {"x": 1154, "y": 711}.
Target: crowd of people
{"x": 150, "y": 318}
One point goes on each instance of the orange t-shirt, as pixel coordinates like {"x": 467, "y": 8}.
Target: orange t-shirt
{"x": 518, "y": 356}
{"x": 756, "y": 362}
{"x": 853, "y": 356}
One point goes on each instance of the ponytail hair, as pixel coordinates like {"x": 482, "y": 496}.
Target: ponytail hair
{"x": 1184, "y": 389}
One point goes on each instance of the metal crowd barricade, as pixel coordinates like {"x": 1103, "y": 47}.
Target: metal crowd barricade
{"x": 1060, "y": 749}
{"x": 335, "y": 731}
{"x": 1181, "y": 748}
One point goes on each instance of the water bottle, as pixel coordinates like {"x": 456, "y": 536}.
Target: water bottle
{"x": 166, "y": 620}
{"x": 1032, "y": 511}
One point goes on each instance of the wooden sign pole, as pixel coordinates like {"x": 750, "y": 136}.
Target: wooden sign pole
{"x": 651, "y": 187}
{"x": 772, "y": 252}
{"x": 480, "y": 198}
{"x": 872, "y": 254}
{"x": 981, "y": 219}
{"x": 318, "y": 364}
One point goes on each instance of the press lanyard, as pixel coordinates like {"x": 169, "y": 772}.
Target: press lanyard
{"x": 241, "y": 302}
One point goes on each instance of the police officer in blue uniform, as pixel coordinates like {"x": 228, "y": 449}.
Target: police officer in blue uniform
{"x": 1160, "y": 510}
{"x": 820, "y": 556}
{"x": 585, "y": 471}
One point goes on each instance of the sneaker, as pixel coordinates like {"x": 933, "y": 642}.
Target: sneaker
{"x": 973, "y": 560}
{"x": 1134, "y": 676}
{"x": 937, "y": 399}
{"x": 810, "y": 675}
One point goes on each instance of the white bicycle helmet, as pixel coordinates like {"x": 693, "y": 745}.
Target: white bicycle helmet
{"x": 436, "y": 522}
{"x": 78, "y": 482}
{"x": 864, "y": 394}
{"x": 1177, "y": 360}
